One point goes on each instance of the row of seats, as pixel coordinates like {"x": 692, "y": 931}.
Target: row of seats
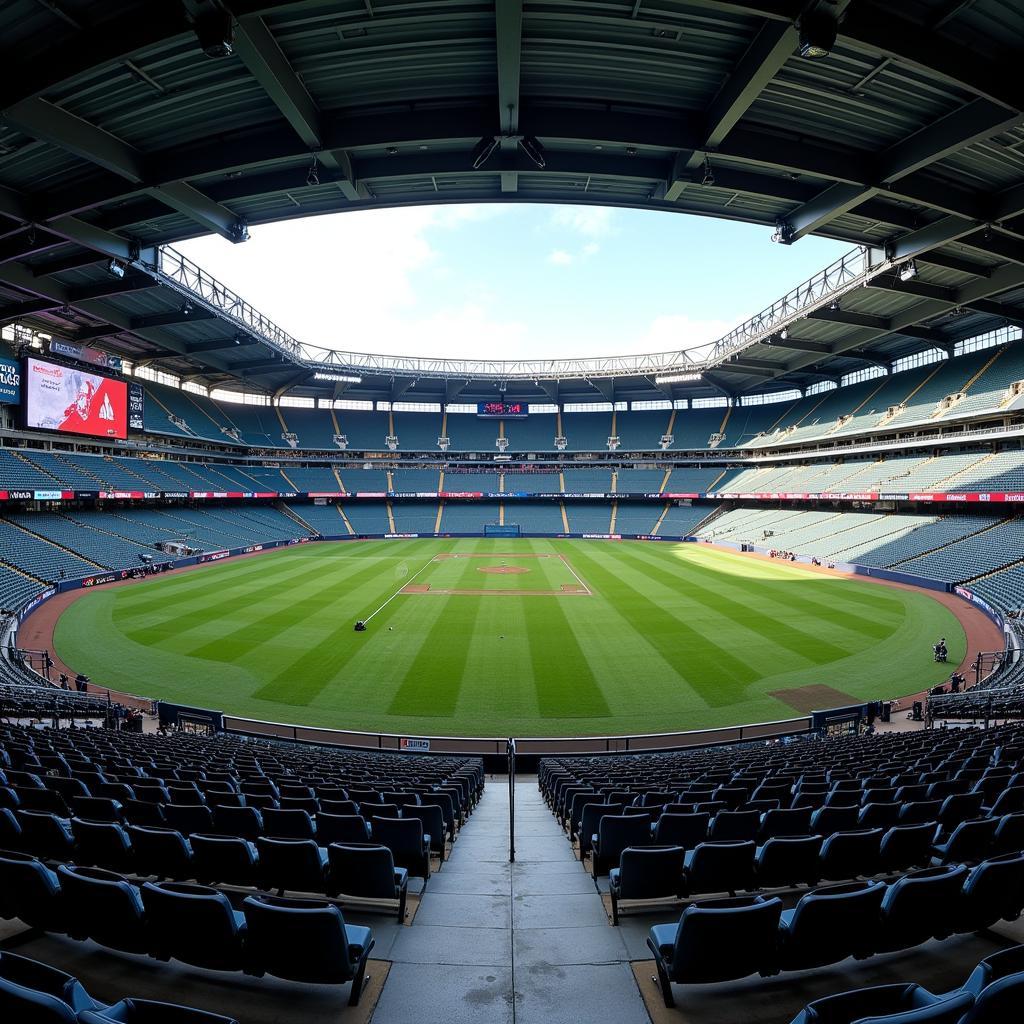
{"x": 728, "y": 939}
{"x": 36, "y": 993}
{"x": 297, "y": 940}
{"x": 646, "y": 870}
{"x": 992, "y": 994}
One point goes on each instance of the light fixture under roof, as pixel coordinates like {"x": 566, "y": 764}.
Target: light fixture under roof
{"x": 677, "y": 378}
{"x": 908, "y": 271}
{"x": 337, "y": 378}
{"x": 817, "y": 35}
{"x": 483, "y": 150}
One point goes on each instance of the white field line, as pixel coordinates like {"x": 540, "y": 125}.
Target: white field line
{"x": 568, "y": 566}
{"x": 403, "y": 586}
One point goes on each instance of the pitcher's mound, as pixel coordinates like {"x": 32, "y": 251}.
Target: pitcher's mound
{"x": 503, "y": 570}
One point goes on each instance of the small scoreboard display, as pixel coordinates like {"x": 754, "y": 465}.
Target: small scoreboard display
{"x": 502, "y": 410}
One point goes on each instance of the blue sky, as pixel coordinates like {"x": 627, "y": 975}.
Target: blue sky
{"x": 512, "y": 281}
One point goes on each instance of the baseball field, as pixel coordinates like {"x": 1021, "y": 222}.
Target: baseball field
{"x": 508, "y": 637}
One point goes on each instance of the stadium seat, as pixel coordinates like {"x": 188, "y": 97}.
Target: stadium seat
{"x": 919, "y": 906}
{"x": 653, "y": 873}
{"x": 245, "y": 822}
{"x": 896, "y": 1004}
{"x": 717, "y": 940}
{"x": 730, "y": 825}
{"x": 720, "y": 867}
{"x": 189, "y": 818}
{"x": 993, "y": 891}
{"x": 102, "y": 906}
{"x": 826, "y": 820}
{"x": 307, "y": 941}
{"x": 97, "y": 808}
{"x": 432, "y": 818}
{"x": 992, "y": 968}
{"x": 163, "y": 852}
{"x": 147, "y": 1011}
{"x": 408, "y": 843}
{"x": 789, "y": 821}
{"x": 850, "y": 854}
{"x": 906, "y": 846}
{"x": 226, "y": 859}
{"x": 590, "y": 817}
{"x": 919, "y": 811}
{"x": 1009, "y": 834}
{"x": 103, "y": 844}
{"x": 46, "y": 835}
{"x": 366, "y": 872}
{"x": 31, "y": 892}
{"x": 341, "y": 828}
{"x": 686, "y": 830}
{"x": 613, "y": 835}
{"x": 969, "y": 843}
{"x": 35, "y": 993}
{"x": 874, "y": 815}
{"x": 195, "y": 925}
{"x": 830, "y": 924}
{"x": 295, "y": 865}
{"x": 788, "y": 860}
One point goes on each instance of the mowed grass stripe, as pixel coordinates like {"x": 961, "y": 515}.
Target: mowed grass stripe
{"x": 564, "y": 683}
{"x": 693, "y": 655}
{"x": 143, "y": 608}
{"x": 831, "y": 607}
{"x": 807, "y": 645}
{"x": 202, "y": 602}
{"x": 255, "y": 633}
{"x": 206, "y": 619}
{"x": 302, "y": 680}
{"x": 433, "y": 681}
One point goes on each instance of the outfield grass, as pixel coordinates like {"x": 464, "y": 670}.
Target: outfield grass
{"x": 672, "y": 636}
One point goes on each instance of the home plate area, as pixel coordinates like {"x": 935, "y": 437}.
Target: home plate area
{"x": 498, "y": 575}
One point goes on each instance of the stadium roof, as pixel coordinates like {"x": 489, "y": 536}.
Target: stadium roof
{"x": 120, "y": 134}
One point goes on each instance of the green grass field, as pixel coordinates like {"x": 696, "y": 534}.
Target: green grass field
{"x": 669, "y": 637}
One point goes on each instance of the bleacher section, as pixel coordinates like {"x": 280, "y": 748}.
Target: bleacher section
{"x": 415, "y": 518}
{"x": 325, "y": 520}
{"x": 535, "y": 516}
{"x": 39, "y": 557}
{"x": 468, "y": 516}
{"x": 682, "y": 520}
{"x": 588, "y": 517}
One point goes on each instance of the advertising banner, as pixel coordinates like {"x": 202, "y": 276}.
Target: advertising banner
{"x": 10, "y": 381}
{"x": 73, "y": 401}
{"x": 136, "y": 406}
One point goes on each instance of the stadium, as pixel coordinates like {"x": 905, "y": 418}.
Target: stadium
{"x": 366, "y": 681}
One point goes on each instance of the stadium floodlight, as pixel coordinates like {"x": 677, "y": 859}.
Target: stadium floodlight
{"x": 215, "y": 32}
{"x": 783, "y": 334}
{"x": 534, "y": 150}
{"x": 116, "y": 269}
{"x": 677, "y": 378}
{"x": 908, "y": 271}
{"x": 483, "y": 150}
{"x": 337, "y": 378}
{"x": 312, "y": 177}
{"x": 817, "y": 35}
{"x": 709, "y": 175}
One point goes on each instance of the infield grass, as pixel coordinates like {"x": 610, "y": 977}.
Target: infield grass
{"x": 671, "y": 636}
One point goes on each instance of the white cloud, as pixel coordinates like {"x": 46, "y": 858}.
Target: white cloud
{"x": 560, "y": 258}
{"x": 591, "y": 249}
{"x": 590, "y": 221}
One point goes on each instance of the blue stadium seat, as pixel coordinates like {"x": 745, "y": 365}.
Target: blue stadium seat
{"x": 227, "y": 859}
{"x": 366, "y": 871}
{"x": 103, "y": 907}
{"x": 919, "y": 906}
{"x": 896, "y": 1004}
{"x": 31, "y": 892}
{"x": 717, "y": 940}
{"x": 647, "y": 873}
{"x": 305, "y": 940}
{"x": 195, "y": 925}
{"x": 830, "y": 924}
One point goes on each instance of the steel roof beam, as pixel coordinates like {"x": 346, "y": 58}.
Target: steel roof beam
{"x": 11, "y": 314}
{"x": 215, "y": 344}
{"x": 845, "y": 316}
{"x": 799, "y": 345}
{"x": 971, "y": 123}
{"x": 42, "y": 120}
{"x": 169, "y": 319}
{"x": 260, "y": 53}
